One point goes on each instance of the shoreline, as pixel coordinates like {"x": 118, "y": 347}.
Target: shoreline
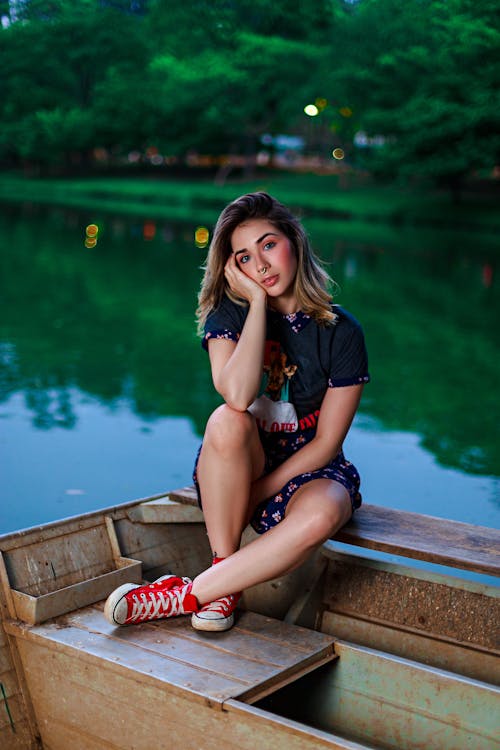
{"x": 317, "y": 198}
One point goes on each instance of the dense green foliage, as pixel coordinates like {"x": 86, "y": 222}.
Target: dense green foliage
{"x": 403, "y": 88}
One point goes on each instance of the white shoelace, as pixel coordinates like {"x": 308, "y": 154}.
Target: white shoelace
{"x": 156, "y": 604}
{"x": 223, "y": 605}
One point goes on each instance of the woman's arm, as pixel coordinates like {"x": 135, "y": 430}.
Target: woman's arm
{"x": 336, "y": 414}
{"x": 237, "y": 367}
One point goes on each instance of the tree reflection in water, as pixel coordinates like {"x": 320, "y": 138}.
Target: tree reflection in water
{"x": 116, "y": 322}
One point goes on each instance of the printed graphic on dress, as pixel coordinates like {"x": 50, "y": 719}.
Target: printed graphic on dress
{"x": 276, "y": 369}
{"x": 272, "y": 409}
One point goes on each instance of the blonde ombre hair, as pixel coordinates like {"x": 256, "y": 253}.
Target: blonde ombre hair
{"x": 311, "y": 281}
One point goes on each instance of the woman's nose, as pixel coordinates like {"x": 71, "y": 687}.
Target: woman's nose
{"x": 262, "y": 264}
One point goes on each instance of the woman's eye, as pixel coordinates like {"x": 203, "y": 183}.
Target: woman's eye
{"x": 244, "y": 259}
{"x": 269, "y": 245}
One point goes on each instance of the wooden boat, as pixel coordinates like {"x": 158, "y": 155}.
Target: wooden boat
{"x": 347, "y": 652}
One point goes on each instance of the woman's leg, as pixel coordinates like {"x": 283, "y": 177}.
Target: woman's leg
{"x": 231, "y": 459}
{"x": 319, "y": 508}
{"x": 315, "y": 512}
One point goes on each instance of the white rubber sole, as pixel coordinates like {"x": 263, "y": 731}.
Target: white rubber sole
{"x": 113, "y": 612}
{"x": 215, "y": 625}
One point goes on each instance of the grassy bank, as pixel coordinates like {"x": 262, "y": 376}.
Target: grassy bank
{"x": 317, "y": 197}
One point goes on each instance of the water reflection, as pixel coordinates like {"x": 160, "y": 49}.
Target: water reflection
{"x": 115, "y": 322}
{"x": 432, "y": 327}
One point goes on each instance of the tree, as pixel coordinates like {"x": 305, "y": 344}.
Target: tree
{"x": 426, "y": 79}
{"x": 213, "y": 76}
{"x": 220, "y": 104}
{"x": 248, "y": 68}
{"x": 53, "y": 62}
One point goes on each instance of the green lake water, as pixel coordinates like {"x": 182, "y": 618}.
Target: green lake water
{"x": 105, "y": 388}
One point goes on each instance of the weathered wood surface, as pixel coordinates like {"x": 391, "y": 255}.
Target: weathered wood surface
{"x": 436, "y": 540}
{"x": 17, "y": 725}
{"x": 15, "y": 735}
{"x": 35, "y": 609}
{"x": 181, "y": 546}
{"x": 125, "y": 679}
{"x": 52, "y": 562}
{"x": 95, "y": 704}
{"x": 54, "y": 574}
{"x": 165, "y": 510}
{"x": 186, "y": 495}
{"x": 21, "y": 538}
{"x": 247, "y": 662}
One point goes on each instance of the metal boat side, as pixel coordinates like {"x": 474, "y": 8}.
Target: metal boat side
{"x": 417, "y": 651}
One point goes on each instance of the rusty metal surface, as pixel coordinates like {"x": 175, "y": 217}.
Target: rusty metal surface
{"x": 383, "y": 701}
{"x": 429, "y": 650}
{"x": 410, "y": 706}
{"x": 409, "y": 602}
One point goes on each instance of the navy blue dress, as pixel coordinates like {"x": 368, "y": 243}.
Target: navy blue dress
{"x": 302, "y": 360}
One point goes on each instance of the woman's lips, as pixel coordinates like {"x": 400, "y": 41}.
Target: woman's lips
{"x": 271, "y": 280}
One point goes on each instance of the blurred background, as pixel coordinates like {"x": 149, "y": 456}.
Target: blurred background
{"x": 125, "y": 127}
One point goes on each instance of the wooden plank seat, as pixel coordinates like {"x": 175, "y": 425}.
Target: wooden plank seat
{"x": 256, "y": 657}
{"x": 162, "y": 684}
{"x": 435, "y": 540}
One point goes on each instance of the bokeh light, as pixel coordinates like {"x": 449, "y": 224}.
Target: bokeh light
{"x": 91, "y": 232}
{"x": 338, "y": 153}
{"x": 201, "y": 237}
{"x": 345, "y": 111}
{"x": 149, "y": 230}
{"x": 311, "y": 110}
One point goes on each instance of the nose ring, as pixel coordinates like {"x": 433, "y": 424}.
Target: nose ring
{"x": 263, "y": 269}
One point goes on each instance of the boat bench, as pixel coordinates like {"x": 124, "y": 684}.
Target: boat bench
{"x": 434, "y": 540}
{"x": 256, "y": 657}
{"x": 89, "y": 685}
{"x": 263, "y": 684}
{"x": 156, "y": 684}
{"x": 163, "y": 684}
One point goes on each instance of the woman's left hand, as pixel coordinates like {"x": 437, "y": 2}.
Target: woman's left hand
{"x": 240, "y": 283}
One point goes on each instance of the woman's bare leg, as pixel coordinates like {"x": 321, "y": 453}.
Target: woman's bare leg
{"x": 230, "y": 460}
{"x": 316, "y": 511}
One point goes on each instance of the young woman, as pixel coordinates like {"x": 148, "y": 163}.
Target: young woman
{"x": 290, "y": 366}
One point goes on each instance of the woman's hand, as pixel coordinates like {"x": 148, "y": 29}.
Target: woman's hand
{"x": 241, "y": 284}
{"x": 237, "y": 367}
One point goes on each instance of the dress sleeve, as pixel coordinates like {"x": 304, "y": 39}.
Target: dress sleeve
{"x": 226, "y": 322}
{"x": 349, "y": 358}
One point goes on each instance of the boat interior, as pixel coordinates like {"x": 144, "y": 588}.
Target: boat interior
{"x": 353, "y": 650}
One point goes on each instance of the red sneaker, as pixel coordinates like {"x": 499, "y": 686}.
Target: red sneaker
{"x": 217, "y": 615}
{"x": 166, "y": 597}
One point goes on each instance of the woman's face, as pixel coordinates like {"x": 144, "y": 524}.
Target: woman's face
{"x": 266, "y": 255}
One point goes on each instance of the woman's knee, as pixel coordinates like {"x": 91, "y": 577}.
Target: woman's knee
{"x": 228, "y": 429}
{"x": 324, "y": 517}
{"x": 320, "y": 527}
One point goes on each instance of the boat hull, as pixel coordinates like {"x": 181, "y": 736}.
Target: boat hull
{"x": 388, "y": 656}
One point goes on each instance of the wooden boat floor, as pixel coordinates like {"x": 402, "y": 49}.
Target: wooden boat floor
{"x": 253, "y": 659}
